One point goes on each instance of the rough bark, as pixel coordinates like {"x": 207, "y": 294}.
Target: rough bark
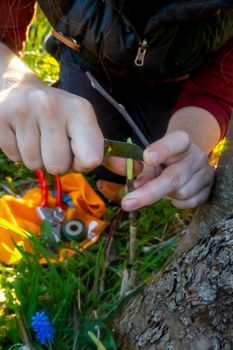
{"x": 190, "y": 305}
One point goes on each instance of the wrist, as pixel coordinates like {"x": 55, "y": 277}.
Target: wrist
{"x": 13, "y": 72}
{"x": 14, "y": 80}
{"x": 201, "y": 126}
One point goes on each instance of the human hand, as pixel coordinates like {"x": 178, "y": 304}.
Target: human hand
{"x": 186, "y": 180}
{"x": 45, "y": 127}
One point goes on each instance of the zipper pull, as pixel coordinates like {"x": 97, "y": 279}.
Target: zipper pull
{"x": 139, "y": 60}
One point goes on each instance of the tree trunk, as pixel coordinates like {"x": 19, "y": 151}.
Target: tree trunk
{"x": 190, "y": 306}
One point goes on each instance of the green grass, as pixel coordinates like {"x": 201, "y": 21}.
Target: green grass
{"x": 81, "y": 293}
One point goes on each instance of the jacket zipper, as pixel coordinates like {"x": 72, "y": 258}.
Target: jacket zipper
{"x": 140, "y": 57}
{"x": 143, "y": 44}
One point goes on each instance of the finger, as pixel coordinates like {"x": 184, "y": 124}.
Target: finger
{"x": 8, "y": 143}
{"x": 28, "y": 140}
{"x": 118, "y": 165}
{"x": 203, "y": 178}
{"x": 148, "y": 173}
{"x": 87, "y": 143}
{"x": 170, "y": 145}
{"x": 194, "y": 201}
{"x": 171, "y": 179}
{"x": 55, "y": 145}
{"x": 55, "y": 149}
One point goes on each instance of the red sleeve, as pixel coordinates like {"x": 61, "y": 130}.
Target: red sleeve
{"x": 212, "y": 87}
{"x": 15, "y": 16}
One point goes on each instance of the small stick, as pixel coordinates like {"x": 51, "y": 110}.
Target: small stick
{"x": 129, "y": 273}
{"x": 133, "y": 227}
{"x": 121, "y": 109}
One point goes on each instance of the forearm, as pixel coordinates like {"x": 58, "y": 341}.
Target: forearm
{"x": 13, "y": 71}
{"x": 201, "y": 125}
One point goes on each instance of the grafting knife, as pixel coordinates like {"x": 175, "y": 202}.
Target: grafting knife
{"x": 122, "y": 149}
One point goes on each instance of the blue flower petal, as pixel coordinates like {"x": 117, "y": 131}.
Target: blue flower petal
{"x": 43, "y": 327}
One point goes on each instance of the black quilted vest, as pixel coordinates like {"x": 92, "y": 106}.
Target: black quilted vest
{"x": 176, "y": 39}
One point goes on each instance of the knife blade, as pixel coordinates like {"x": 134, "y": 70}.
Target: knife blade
{"x": 122, "y": 149}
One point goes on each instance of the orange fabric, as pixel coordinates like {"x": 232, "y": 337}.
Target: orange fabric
{"x": 110, "y": 190}
{"x": 21, "y": 212}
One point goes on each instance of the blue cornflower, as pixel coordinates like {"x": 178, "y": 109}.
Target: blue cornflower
{"x": 43, "y": 327}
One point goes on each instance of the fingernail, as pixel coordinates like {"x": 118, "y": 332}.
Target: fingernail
{"x": 130, "y": 204}
{"x": 151, "y": 156}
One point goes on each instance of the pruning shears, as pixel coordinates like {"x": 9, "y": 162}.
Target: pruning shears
{"x": 54, "y": 216}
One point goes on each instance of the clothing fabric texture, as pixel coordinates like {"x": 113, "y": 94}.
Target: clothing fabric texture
{"x": 15, "y": 17}
{"x": 173, "y": 39}
{"x": 210, "y": 86}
